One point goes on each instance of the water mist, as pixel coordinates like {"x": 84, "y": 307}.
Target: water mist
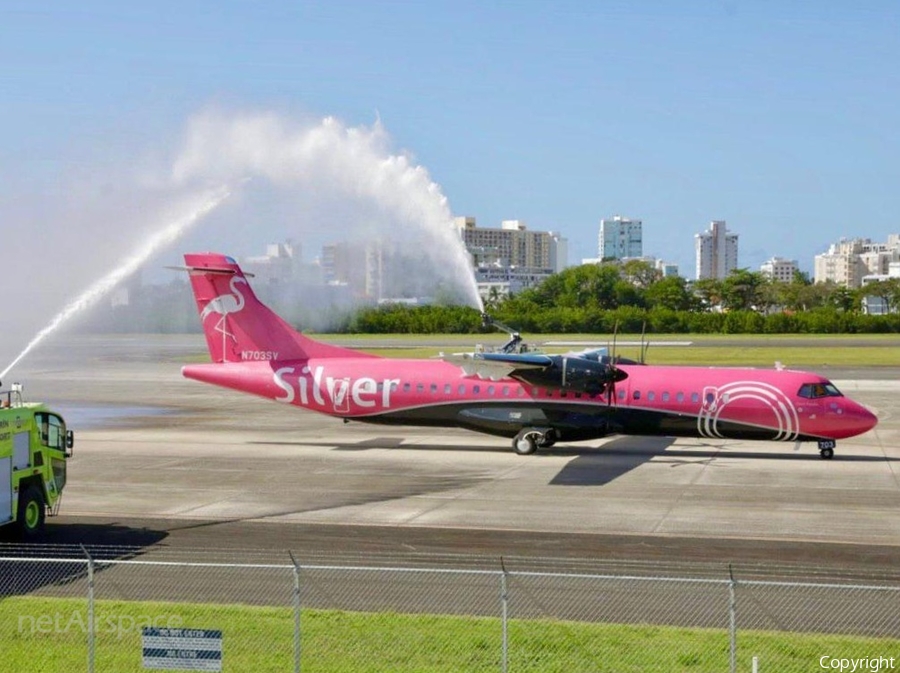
{"x": 391, "y": 198}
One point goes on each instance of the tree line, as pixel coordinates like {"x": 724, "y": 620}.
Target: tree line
{"x": 634, "y": 296}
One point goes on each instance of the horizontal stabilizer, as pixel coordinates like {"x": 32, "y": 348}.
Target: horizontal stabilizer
{"x": 211, "y": 270}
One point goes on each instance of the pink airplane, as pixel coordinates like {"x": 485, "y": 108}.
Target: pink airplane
{"x": 534, "y": 398}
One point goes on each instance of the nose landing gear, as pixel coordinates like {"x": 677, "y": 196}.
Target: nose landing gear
{"x": 826, "y": 449}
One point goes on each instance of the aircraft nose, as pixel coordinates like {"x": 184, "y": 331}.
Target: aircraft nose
{"x": 859, "y": 420}
{"x": 851, "y": 419}
{"x": 867, "y": 420}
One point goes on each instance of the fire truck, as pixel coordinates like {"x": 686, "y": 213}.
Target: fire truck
{"x": 34, "y": 447}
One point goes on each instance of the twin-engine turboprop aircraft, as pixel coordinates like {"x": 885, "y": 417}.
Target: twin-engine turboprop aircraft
{"x": 533, "y": 398}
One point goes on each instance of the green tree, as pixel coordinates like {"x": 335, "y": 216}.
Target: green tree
{"x": 586, "y": 286}
{"x": 844, "y": 299}
{"x": 640, "y": 273}
{"x": 741, "y": 290}
{"x": 709, "y": 292}
{"x": 672, "y": 293}
{"x": 887, "y": 290}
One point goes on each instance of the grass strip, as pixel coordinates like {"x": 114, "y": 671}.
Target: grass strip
{"x": 49, "y": 634}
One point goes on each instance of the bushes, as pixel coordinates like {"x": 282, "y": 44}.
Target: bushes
{"x": 398, "y": 319}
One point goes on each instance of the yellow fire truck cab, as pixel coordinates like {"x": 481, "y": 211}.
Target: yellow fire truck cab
{"x": 34, "y": 447}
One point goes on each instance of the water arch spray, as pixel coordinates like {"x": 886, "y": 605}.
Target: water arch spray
{"x": 404, "y": 206}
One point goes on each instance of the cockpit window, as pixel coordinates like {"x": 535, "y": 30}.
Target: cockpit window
{"x": 816, "y": 390}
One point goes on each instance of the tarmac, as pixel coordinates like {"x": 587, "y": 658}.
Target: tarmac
{"x": 173, "y": 467}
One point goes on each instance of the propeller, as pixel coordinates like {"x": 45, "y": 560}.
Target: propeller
{"x": 613, "y": 374}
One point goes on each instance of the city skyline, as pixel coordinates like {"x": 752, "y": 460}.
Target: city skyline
{"x": 778, "y": 119}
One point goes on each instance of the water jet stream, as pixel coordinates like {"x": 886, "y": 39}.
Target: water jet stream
{"x": 200, "y": 207}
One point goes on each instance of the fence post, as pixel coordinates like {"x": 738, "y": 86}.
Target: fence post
{"x": 732, "y": 618}
{"x": 90, "y": 615}
{"x": 296, "y": 612}
{"x": 504, "y": 614}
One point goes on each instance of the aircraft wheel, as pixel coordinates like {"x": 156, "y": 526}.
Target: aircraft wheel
{"x": 524, "y": 444}
{"x": 826, "y": 454}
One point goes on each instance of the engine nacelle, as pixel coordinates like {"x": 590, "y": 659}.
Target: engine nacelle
{"x": 573, "y": 373}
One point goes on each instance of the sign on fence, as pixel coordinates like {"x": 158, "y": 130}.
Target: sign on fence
{"x": 182, "y": 649}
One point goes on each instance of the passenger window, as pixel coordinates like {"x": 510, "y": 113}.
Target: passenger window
{"x": 447, "y": 388}
{"x": 461, "y": 389}
{"x": 679, "y": 397}
{"x": 406, "y": 387}
{"x": 636, "y": 395}
{"x": 433, "y": 388}
{"x": 665, "y": 396}
{"x": 476, "y": 389}
{"x": 695, "y": 398}
{"x": 420, "y": 387}
{"x": 505, "y": 391}
{"x": 621, "y": 394}
{"x": 651, "y": 396}
{"x": 491, "y": 390}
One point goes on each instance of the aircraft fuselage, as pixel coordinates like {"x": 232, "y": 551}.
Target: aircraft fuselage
{"x": 653, "y": 400}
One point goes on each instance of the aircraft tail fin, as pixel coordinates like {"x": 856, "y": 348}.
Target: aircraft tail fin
{"x": 237, "y": 325}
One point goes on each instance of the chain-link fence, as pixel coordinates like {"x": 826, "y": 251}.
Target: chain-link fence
{"x": 121, "y": 615}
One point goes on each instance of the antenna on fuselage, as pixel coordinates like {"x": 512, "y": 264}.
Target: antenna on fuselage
{"x": 644, "y": 344}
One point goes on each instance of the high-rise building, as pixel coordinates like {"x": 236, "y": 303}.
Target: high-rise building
{"x": 780, "y": 269}
{"x": 717, "y": 251}
{"x": 621, "y": 238}
{"x": 848, "y": 261}
{"x": 281, "y": 263}
{"x": 512, "y": 245}
{"x": 511, "y": 258}
{"x": 559, "y": 252}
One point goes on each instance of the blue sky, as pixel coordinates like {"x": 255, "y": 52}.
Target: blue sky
{"x": 779, "y": 117}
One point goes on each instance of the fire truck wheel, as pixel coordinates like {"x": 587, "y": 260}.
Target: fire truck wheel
{"x": 31, "y": 513}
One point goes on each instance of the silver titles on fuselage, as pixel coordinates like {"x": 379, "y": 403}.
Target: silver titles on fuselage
{"x": 341, "y": 391}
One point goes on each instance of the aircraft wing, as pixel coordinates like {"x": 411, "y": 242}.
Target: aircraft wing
{"x": 495, "y": 366}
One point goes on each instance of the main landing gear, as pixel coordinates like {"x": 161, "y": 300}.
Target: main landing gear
{"x": 530, "y": 440}
{"x": 826, "y": 449}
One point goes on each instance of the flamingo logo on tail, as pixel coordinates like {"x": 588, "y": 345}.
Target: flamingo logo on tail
{"x": 224, "y": 305}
